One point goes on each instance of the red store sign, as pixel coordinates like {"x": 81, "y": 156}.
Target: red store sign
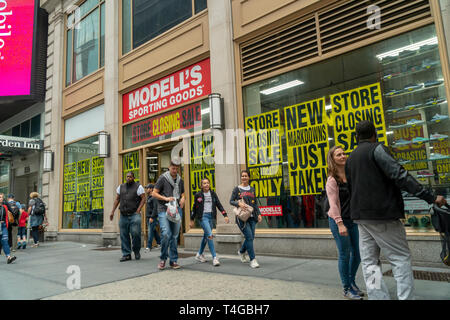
{"x": 176, "y": 89}
{"x": 271, "y": 210}
{"x": 184, "y": 118}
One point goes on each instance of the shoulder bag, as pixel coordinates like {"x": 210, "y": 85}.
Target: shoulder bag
{"x": 243, "y": 213}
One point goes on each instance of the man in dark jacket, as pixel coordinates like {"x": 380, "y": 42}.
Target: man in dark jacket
{"x": 152, "y": 205}
{"x": 375, "y": 180}
{"x": 131, "y": 196}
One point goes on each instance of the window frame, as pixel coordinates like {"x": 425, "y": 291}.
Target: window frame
{"x": 130, "y": 36}
{"x": 99, "y": 5}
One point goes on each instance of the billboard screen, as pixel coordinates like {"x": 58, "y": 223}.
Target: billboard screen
{"x": 17, "y": 19}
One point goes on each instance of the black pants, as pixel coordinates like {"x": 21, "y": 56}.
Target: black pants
{"x": 35, "y": 234}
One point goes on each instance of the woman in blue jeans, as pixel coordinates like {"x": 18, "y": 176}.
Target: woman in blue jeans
{"x": 243, "y": 195}
{"x": 4, "y": 222}
{"x": 206, "y": 203}
{"x": 344, "y": 230}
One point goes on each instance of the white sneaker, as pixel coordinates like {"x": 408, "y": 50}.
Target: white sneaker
{"x": 243, "y": 256}
{"x": 200, "y": 257}
{"x": 254, "y": 264}
{"x": 216, "y": 262}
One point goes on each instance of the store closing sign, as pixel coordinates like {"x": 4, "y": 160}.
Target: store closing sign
{"x": 353, "y": 106}
{"x": 202, "y": 163}
{"x": 183, "y": 118}
{"x": 176, "y": 89}
{"x": 264, "y": 155}
{"x": 307, "y": 146}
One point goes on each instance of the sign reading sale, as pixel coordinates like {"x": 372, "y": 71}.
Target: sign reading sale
{"x": 176, "y": 89}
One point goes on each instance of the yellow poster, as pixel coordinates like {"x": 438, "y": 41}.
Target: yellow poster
{"x": 69, "y": 187}
{"x": 263, "y": 135}
{"x": 97, "y": 183}
{"x": 202, "y": 162}
{"x": 353, "y": 106}
{"x": 307, "y": 146}
{"x": 131, "y": 163}
{"x": 83, "y": 185}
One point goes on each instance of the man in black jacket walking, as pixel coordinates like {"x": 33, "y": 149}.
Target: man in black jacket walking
{"x": 152, "y": 205}
{"x": 375, "y": 180}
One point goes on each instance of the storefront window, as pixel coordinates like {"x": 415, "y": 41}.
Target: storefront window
{"x": 396, "y": 83}
{"x": 130, "y": 163}
{"x": 83, "y": 193}
{"x": 4, "y": 176}
{"x": 85, "y": 40}
{"x": 144, "y": 20}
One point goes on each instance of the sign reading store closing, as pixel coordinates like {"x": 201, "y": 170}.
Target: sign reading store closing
{"x": 17, "y": 19}
{"x": 176, "y": 89}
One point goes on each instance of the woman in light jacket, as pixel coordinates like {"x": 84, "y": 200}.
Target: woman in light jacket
{"x": 245, "y": 194}
{"x": 344, "y": 230}
{"x": 206, "y": 203}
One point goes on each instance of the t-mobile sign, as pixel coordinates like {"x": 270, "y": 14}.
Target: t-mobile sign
{"x": 16, "y": 46}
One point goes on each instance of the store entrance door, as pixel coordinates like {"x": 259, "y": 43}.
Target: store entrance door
{"x": 156, "y": 162}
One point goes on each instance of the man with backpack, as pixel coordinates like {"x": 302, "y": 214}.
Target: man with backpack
{"x": 13, "y": 227}
{"x": 36, "y": 210}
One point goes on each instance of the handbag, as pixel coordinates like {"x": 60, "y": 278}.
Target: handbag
{"x": 10, "y": 217}
{"x": 243, "y": 213}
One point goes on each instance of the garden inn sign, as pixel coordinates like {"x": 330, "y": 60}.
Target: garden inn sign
{"x": 13, "y": 143}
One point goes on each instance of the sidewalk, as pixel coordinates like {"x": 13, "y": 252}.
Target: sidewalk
{"x": 40, "y": 273}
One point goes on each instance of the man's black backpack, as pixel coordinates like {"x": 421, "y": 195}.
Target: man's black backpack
{"x": 14, "y": 209}
{"x": 39, "y": 207}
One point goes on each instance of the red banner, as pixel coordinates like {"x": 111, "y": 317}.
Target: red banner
{"x": 183, "y": 118}
{"x": 271, "y": 210}
{"x": 176, "y": 89}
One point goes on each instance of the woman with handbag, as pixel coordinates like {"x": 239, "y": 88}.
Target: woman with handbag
{"x": 5, "y": 220}
{"x": 206, "y": 203}
{"x": 247, "y": 216}
{"x": 344, "y": 230}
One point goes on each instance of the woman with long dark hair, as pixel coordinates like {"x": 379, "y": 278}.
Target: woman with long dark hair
{"x": 344, "y": 230}
{"x": 242, "y": 196}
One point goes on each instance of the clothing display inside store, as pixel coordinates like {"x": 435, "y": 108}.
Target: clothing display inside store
{"x": 412, "y": 113}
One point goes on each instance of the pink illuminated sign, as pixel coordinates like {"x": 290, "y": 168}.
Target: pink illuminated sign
{"x": 16, "y": 46}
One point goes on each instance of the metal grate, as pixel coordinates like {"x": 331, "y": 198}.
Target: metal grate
{"x": 426, "y": 275}
{"x": 332, "y": 28}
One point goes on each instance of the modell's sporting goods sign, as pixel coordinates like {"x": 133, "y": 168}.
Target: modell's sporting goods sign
{"x": 16, "y": 46}
{"x": 176, "y": 89}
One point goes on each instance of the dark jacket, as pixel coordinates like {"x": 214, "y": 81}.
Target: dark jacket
{"x": 375, "y": 181}
{"x": 199, "y": 203}
{"x": 249, "y": 198}
{"x": 151, "y": 210}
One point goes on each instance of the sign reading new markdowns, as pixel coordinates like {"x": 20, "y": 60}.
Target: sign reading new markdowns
{"x": 176, "y": 89}
{"x": 16, "y": 46}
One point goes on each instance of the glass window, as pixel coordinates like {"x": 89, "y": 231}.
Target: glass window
{"x": 405, "y": 72}
{"x": 200, "y": 5}
{"x": 35, "y": 131}
{"x": 85, "y": 40}
{"x": 144, "y": 20}
{"x": 15, "y": 132}
{"x": 5, "y": 167}
{"x": 85, "y": 124}
{"x": 25, "y": 129}
{"x": 83, "y": 193}
{"x": 130, "y": 163}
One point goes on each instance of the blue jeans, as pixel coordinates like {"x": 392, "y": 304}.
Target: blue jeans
{"x": 152, "y": 232}
{"x": 4, "y": 236}
{"x": 348, "y": 248}
{"x": 130, "y": 226}
{"x": 248, "y": 229}
{"x": 207, "y": 225}
{"x": 169, "y": 236}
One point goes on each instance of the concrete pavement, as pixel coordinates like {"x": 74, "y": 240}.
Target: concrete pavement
{"x": 43, "y": 273}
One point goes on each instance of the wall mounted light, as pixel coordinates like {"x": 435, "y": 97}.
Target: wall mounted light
{"x": 103, "y": 144}
{"x": 48, "y": 160}
{"x": 216, "y": 115}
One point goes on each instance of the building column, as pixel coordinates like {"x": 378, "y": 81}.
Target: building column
{"x": 51, "y": 181}
{"x": 111, "y": 88}
{"x": 223, "y": 81}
